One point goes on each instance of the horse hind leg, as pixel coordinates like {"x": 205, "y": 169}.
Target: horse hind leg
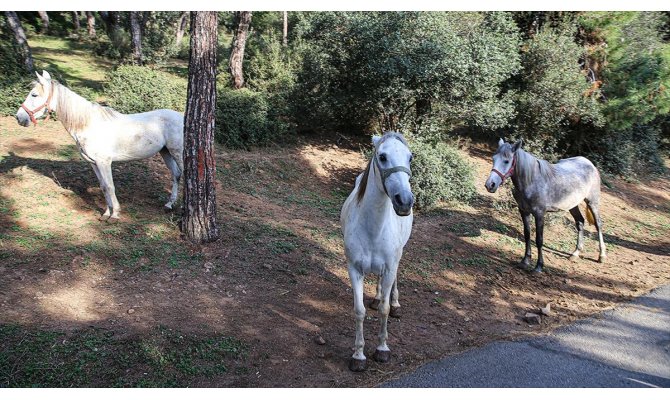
{"x": 595, "y": 213}
{"x": 358, "y": 362}
{"x": 395, "y": 305}
{"x": 108, "y": 205}
{"x": 579, "y": 222}
{"x": 174, "y": 168}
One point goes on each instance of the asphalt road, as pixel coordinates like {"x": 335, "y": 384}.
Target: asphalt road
{"x": 628, "y": 346}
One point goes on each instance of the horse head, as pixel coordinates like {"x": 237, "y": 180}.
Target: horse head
{"x": 504, "y": 161}
{"x": 392, "y": 159}
{"x": 39, "y": 101}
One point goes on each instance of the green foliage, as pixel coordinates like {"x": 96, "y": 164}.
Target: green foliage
{"x": 245, "y": 118}
{"x": 133, "y": 89}
{"x": 372, "y": 69}
{"x": 14, "y": 80}
{"x": 553, "y": 97}
{"x": 440, "y": 173}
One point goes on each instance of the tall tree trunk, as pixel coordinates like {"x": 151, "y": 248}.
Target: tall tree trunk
{"x": 90, "y": 19}
{"x": 136, "y": 36}
{"x": 199, "y": 219}
{"x": 243, "y": 20}
{"x": 21, "y": 41}
{"x": 285, "y": 35}
{"x": 45, "y": 21}
{"x": 75, "y": 21}
{"x": 181, "y": 27}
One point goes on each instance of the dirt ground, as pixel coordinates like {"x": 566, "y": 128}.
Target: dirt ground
{"x": 277, "y": 278}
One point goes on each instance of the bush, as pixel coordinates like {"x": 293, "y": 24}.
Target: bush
{"x": 244, "y": 118}
{"x": 14, "y": 79}
{"x": 440, "y": 173}
{"x": 133, "y": 89}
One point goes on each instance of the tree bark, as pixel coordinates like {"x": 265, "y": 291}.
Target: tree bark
{"x": 75, "y": 21}
{"x": 199, "y": 211}
{"x": 136, "y": 36}
{"x": 45, "y": 21}
{"x": 285, "y": 35}
{"x": 181, "y": 27}
{"x": 21, "y": 40}
{"x": 90, "y": 19}
{"x": 243, "y": 20}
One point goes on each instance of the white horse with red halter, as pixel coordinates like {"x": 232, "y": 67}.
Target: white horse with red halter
{"x": 104, "y": 135}
{"x": 376, "y": 222}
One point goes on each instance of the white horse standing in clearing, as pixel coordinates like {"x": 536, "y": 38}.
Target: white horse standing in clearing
{"x": 104, "y": 135}
{"x": 376, "y": 222}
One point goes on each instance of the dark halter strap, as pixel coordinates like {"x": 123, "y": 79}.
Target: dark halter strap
{"x": 31, "y": 113}
{"x": 386, "y": 172}
{"x": 508, "y": 173}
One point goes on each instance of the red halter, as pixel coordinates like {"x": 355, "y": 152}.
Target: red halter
{"x": 31, "y": 114}
{"x": 508, "y": 174}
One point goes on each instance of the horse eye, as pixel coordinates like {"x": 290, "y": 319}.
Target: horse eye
{"x": 506, "y": 161}
{"x": 33, "y": 94}
{"x": 382, "y": 157}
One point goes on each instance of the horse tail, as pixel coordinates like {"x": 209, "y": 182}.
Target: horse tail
{"x": 589, "y": 215}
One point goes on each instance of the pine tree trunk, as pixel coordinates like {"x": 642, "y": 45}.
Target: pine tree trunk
{"x": 199, "y": 219}
{"x": 181, "y": 27}
{"x": 136, "y": 36}
{"x": 45, "y": 21}
{"x": 21, "y": 40}
{"x": 243, "y": 20}
{"x": 75, "y": 21}
{"x": 285, "y": 35}
{"x": 90, "y": 19}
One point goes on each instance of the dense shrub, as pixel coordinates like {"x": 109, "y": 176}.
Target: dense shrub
{"x": 14, "y": 80}
{"x": 244, "y": 118}
{"x": 133, "y": 89}
{"x": 440, "y": 173}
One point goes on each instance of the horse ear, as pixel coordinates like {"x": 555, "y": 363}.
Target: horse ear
{"x": 501, "y": 142}
{"x": 376, "y": 139}
{"x": 517, "y": 145}
{"x": 46, "y": 75}
{"x": 41, "y": 79}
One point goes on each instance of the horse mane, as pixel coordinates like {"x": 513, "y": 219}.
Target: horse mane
{"x": 528, "y": 167}
{"x": 75, "y": 112}
{"x": 362, "y": 186}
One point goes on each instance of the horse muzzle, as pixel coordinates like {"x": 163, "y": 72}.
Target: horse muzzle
{"x": 403, "y": 203}
{"x": 491, "y": 185}
{"x": 23, "y": 119}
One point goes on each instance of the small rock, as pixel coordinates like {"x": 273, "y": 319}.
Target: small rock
{"x": 131, "y": 311}
{"x": 320, "y": 340}
{"x": 209, "y": 266}
{"x": 568, "y": 281}
{"x": 268, "y": 266}
{"x": 633, "y": 262}
{"x": 532, "y": 318}
{"x": 546, "y": 310}
{"x": 467, "y": 319}
{"x": 42, "y": 270}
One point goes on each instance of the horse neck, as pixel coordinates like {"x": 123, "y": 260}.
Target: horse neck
{"x": 526, "y": 169}
{"x": 375, "y": 204}
{"x": 73, "y": 111}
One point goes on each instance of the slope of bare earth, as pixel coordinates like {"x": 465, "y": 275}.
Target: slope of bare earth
{"x": 276, "y": 281}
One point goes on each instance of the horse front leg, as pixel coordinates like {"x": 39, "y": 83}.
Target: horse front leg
{"x": 103, "y": 187}
{"x": 105, "y": 169}
{"x": 383, "y": 353}
{"x": 539, "y": 239}
{"x": 525, "y": 217}
{"x": 358, "y": 362}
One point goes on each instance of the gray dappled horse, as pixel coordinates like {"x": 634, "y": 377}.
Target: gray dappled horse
{"x": 541, "y": 187}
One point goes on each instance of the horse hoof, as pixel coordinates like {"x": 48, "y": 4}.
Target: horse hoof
{"x": 356, "y": 365}
{"x": 382, "y": 356}
{"x": 167, "y": 209}
{"x": 523, "y": 265}
{"x": 374, "y": 304}
{"x": 113, "y": 220}
{"x": 103, "y": 217}
{"x": 602, "y": 259}
{"x": 537, "y": 270}
{"x": 574, "y": 258}
{"x": 395, "y": 312}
